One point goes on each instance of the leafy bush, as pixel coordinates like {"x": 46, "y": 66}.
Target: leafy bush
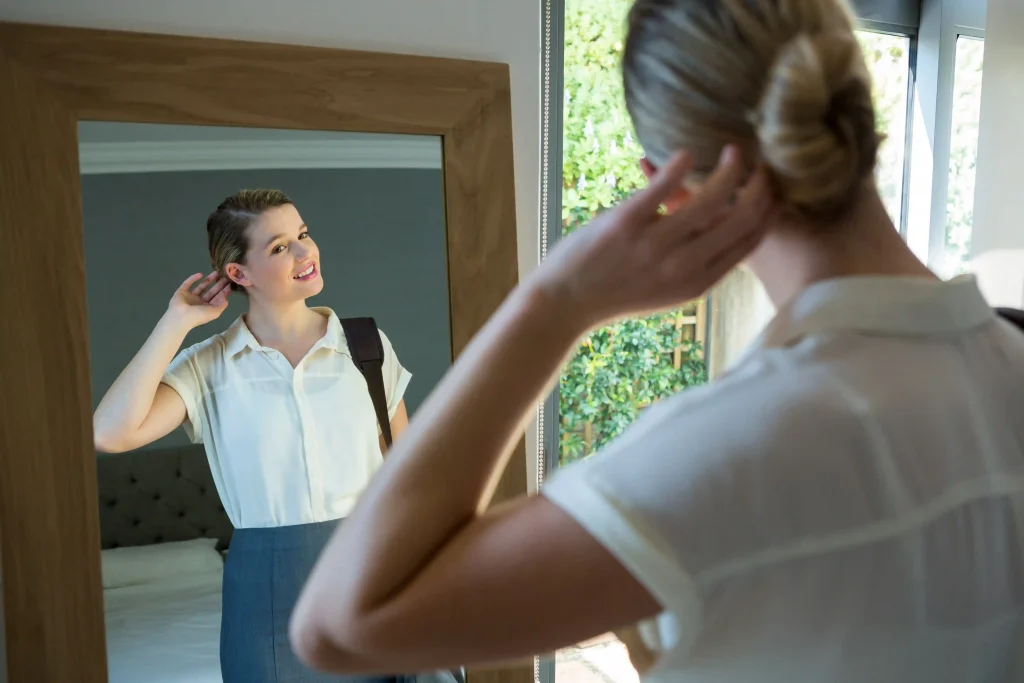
{"x": 621, "y": 369}
{"x": 963, "y": 154}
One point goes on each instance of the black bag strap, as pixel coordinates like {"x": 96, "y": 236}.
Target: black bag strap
{"x": 1014, "y": 315}
{"x": 367, "y": 351}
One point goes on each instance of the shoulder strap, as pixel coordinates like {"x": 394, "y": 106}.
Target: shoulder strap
{"x": 367, "y": 350}
{"x": 1014, "y": 315}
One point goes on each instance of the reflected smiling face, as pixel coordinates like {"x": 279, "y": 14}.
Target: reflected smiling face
{"x": 282, "y": 263}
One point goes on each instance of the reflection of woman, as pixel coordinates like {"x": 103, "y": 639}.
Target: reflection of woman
{"x": 284, "y": 414}
{"x": 843, "y": 505}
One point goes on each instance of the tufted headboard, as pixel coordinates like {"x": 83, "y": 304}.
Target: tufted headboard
{"x": 154, "y": 496}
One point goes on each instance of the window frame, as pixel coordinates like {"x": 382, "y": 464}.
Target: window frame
{"x": 889, "y": 16}
{"x": 937, "y": 247}
{"x": 942, "y": 23}
{"x": 902, "y": 31}
{"x": 933, "y": 27}
{"x": 545, "y": 459}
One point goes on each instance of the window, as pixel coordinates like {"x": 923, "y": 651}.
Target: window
{"x": 888, "y": 60}
{"x": 963, "y": 155}
{"x": 620, "y": 370}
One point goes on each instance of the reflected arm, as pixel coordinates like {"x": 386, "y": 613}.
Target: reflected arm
{"x": 138, "y": 409}
{"x": 419, "y": 577}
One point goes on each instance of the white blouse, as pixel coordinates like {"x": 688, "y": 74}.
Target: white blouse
{"x": 845, "y": 505}
{"x": 286, "y": 446}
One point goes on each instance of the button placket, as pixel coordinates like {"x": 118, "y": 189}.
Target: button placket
{"x": 309, "y": 446}
{"x": 279, "y": 362}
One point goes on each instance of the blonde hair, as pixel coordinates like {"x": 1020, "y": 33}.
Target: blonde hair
{"x": 785, "y": 80}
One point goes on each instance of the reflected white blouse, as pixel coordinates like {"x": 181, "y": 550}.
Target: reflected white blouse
{"x": 286, "y": 446}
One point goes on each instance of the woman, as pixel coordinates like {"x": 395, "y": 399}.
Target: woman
{"x": 844, "y": 505}
{"x": 283, "y": 412}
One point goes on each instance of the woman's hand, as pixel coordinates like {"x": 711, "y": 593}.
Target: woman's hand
{"x": 633, "y": 259}
{"x": 203, "y": 303}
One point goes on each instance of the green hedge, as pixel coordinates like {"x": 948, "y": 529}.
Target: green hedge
{"x": 618, "y": 370}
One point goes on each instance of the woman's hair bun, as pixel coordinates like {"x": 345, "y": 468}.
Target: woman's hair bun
{"x": 815, "y": 124}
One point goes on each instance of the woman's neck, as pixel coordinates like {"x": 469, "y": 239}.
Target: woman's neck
{"x": 792, "y": 256}
{"x": 276, "y": 325}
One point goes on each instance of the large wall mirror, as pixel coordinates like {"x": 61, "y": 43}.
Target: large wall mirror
{"x": 373, "y": 206}
{"x": 389, "y": 182}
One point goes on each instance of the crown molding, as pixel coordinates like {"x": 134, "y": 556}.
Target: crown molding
{"x": 221, "y": 155}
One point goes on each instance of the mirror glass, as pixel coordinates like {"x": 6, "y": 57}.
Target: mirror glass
{"x": 232, "y": 435}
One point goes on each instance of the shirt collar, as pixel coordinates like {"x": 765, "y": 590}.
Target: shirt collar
{"x": 238, "y": 337}
{"x": 335, "y": 337}
{"x": 891, "y": 306}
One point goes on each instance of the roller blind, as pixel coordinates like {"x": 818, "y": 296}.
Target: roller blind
{"x": 901, "y": 16}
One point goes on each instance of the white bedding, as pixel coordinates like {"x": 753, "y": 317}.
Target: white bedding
{"x": 166, "y": 631}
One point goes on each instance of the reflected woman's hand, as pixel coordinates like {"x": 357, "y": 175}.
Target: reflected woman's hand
{"x": 634, "y": 259}
{"x": 199, "y": 299}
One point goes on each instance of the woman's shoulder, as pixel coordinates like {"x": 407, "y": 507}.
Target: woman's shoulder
{"x": 209, "y": 351}
{"x": 755, "y": 413}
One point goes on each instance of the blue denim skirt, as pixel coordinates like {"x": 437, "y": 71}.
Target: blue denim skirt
{"x": 263, "y": 575}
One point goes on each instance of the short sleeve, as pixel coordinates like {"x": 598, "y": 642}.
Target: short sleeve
{"x": 396, "y": 378}
{"x": 711, "y": 482}
{"x": 677, "y": 494}
{"x": 183, "y": 376}
{"x": 633, "y": 517}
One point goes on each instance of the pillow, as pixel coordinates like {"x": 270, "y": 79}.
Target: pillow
{"x": 150, "y": 563}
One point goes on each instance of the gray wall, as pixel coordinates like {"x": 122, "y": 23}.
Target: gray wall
{"x": 382, "y": 246}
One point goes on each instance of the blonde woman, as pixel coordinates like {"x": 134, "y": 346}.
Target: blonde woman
{"x": 845, "y": 504}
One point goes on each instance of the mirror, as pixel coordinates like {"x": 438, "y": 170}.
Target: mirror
{"x": 51, "y": 533}
{"x": 215, "y": 524}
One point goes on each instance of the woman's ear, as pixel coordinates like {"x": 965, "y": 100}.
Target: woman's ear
{"x": 236, "y": 273}
{"x": 675, "y": 200}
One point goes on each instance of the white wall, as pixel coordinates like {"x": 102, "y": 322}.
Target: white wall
{"x": 998, "y": 240}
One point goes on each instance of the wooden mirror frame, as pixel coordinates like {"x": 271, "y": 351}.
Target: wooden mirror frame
{"x": 50, "y": 79}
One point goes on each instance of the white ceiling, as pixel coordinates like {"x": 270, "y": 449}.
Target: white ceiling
{"x": 496, "y": 30}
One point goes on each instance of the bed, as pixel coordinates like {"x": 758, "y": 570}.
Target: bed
{"x": 163, "y": 530}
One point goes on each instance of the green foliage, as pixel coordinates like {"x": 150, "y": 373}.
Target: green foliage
{"x": 599, "y": 153}
{"x": 621, "y": 369}
{"x": 888, "y": 59}
{"x": 618, "y": 372}
{"x": 963, "y": 154}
